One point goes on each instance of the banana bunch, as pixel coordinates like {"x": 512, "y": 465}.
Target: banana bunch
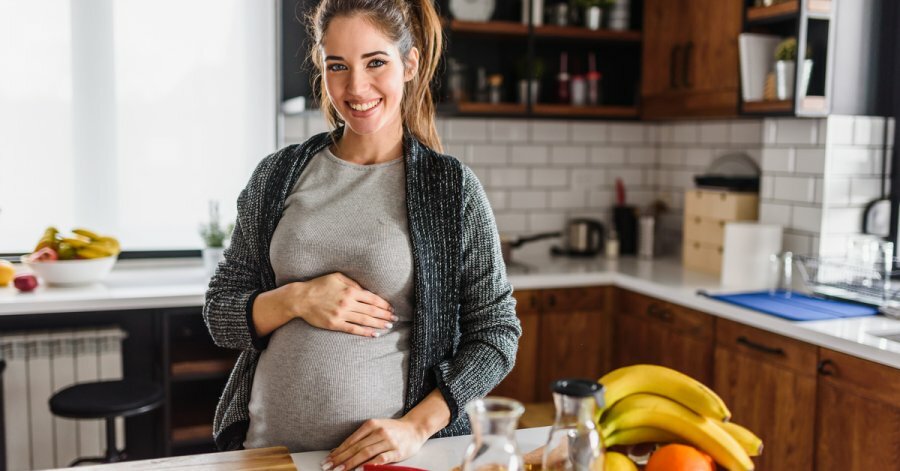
{"x": 82, "y": 243}
{"x": 650, "y": 403}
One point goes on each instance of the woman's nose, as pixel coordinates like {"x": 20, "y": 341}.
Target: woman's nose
{"x": 358, "y": 83}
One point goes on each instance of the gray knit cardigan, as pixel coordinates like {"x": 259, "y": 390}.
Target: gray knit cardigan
{"x": 464, "y": 333}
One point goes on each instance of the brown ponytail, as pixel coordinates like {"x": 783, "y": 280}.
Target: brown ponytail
{"x": 409, "y": 23}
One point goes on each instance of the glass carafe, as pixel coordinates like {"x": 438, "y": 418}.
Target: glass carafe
{"x": 493, "y": 446}
{"x": 575, "y": 443}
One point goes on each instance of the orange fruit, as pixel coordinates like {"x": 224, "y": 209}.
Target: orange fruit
{"x": 680, "y": 458}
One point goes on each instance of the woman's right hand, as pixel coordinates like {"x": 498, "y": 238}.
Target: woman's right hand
{"x": 337, "y": 302}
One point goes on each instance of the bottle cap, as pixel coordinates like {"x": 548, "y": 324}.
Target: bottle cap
{"x": 577, "y": 387}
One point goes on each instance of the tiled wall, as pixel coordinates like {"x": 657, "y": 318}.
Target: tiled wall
{"x": 817, "y": 173}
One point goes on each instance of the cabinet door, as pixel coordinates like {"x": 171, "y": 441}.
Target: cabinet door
{"x": 769, "y": 383}
{"x": 520, "y": 384}
{"x": 858, "y": 408}
{"x": 648, "y": 330}
{"x": 574, "y": 326}
{"x": 665, "y": 32}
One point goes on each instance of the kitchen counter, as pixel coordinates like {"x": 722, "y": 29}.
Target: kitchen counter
{"x": 181, "y": 283}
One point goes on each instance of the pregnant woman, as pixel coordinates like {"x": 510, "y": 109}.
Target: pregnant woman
{"x": 364, "y": 283}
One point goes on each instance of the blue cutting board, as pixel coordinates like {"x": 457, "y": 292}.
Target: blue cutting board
{"x": 796, "y": 306}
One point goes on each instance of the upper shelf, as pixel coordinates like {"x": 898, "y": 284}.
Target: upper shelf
{"x": 511, "y": 28}
{"x": 788, "y": 11}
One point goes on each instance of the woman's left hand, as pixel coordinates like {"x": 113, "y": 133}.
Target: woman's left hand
{"x": 377, "y": 441}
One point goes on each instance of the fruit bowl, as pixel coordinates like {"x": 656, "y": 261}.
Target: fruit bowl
{"x": 71, "y": 272}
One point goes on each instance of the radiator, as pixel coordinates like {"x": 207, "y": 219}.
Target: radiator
{"x": 39, "y": 363}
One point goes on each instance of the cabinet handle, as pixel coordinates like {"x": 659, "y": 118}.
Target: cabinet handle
{"x": 825, "y": 367}
{"x": 673, "y": 61}
{"x": 660, "y": 313}
{"x": 534, "y": 302}
{"x": 686, "y": 72}
{"x": 759, "y": 347}
{"x": 551, "y": 300}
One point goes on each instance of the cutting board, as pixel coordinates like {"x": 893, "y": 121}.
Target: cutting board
{"x": 274, "y": 458}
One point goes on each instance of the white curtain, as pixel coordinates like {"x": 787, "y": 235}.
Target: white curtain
{"x": 129, "y": 116}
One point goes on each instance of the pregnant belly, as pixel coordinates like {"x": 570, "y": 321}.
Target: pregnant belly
{"x": 314, "y": 387}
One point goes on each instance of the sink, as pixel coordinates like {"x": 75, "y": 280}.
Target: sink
{"x": 893, "y": 335}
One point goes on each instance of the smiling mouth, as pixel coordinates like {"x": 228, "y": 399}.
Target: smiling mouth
{"x": 364, "y": 106}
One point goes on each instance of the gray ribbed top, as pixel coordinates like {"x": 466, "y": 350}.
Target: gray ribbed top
{"x": 314, "y": 387}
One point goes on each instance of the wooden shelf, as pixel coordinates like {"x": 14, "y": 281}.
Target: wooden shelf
{"x": 585, "y": 111}
{"x": 774, "y": 106}
{"x": 491, "y": 28}
{"x": 574, "y": 32}
{"x": 201, "y": 368}
{"x": 778, "y": 11}
{"x": 191, "y": 434}
{"x": 490, "y": 108}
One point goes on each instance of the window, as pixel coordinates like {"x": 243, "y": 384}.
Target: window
{"x": 128, "y": 116}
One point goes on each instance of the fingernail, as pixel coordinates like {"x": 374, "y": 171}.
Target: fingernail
{"x": 395, "y": 318}
{"x": 392, "y": 308}
{"x": 326, "y": 465}
{"x": 339, "y": 468}
{"x": 388, "y": 325}
{"x": 374, "y": 334}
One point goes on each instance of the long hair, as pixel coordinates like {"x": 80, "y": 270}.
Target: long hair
{"x": 408, "y": 23}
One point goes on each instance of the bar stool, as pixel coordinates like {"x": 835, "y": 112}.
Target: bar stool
{"x": 107, "y": 400}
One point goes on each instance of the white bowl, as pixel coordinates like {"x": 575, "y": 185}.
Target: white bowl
{"x": 71, "y": 272}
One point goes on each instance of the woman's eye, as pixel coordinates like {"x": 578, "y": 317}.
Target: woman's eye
{"x": 376, "y": 63}
{"x": 336, "y": 67}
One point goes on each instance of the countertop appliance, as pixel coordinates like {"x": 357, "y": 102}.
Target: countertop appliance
{"x": 583, "y": 237}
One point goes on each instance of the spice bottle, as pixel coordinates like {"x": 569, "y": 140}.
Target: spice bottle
{"x": 562, "y": 79}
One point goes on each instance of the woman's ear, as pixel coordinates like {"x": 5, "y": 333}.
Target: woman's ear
{"x": 412, "y": 65}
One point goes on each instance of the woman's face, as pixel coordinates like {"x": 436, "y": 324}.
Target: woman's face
{"x": 364, "y": 74}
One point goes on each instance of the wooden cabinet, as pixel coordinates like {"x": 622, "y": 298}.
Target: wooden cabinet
{"x": 648, "y": 330}
{"x": 858, "y": 408}
{"x": 690, "y": 59}
{"x": 769, "y": 383}
{"x": 565, "y": 333}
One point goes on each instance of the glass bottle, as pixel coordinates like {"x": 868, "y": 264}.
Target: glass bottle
{"x": 493, "y": 446}
{"x": 574, "y": 443}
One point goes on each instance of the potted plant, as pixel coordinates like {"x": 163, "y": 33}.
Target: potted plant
{"x": 594, "y": 11}
{"x": 786, "y": 66}
{"x": 534, "y": 78}
{"x": 214, "y": 238}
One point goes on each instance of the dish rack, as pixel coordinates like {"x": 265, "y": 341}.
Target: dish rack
{"x": 839, "y": 278}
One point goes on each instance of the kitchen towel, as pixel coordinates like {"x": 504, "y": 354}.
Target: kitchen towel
{"x": 796, "y": 306}
{"x": 746, "y": 254}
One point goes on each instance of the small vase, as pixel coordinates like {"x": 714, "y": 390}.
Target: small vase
{"x": 593, "y": 17}
{"x": 784, "y": 79}
{"x": 211, "y": 258}
{"x": 524, "y": 91}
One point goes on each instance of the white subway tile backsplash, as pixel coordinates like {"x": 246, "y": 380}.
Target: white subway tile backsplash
{"x": 548, "y": 177}
{"x": 833, "y": 245}
{"x": 797, "y": 243}
{"x": 836, "y": 191}
{"x": 810, "y": 161}
{"x": 627, "y": 133}
{"x": 746, "y": 132}
{"x": 600, "y": 198}
{"x": 460, "y": 151}
{"x": 868, "y": 130}
{"x": 806, "y": 218}
{"x": 529, "y": 155}
{"x": 569, "y": 155}
{"x": 767, "y": 186}
{"x": 778, "y": 159}
{"x": 641, "y": 156}
{"x": 576, "y": 199}
{"x": 685, "y": 133}
{"x": 546, "y": 221}
{"x": 589, "y": 132}
{"x": 863, "y": 190}
{"x": 840, "y": 130}
{"x": 651, "y": 133}
{"x": 773, "y": 213}
{"x": 891, "y": 124}
{"x": 466, "y": 130}
{"x": 587, "y": 178}
{"x": 508, "y": 130}
{"x": 498, "y": 199}
{"x": 797, "y": 131}
{"x": 698, "y": 158}
{"x": 770, "y": 131}
{"x": 797, "y": 189}
{"x": 852, "y": 161}
{"x": 512, "y": 222}
{"x": 666, "y": 133}
{"x": 489, "y": 154}
{"x": 671, "y": 156}
{"x": 549, "y": 131}
{"x": 602, "y": 155}
{"x": 483, "y": 174}
{"x": 714, "y": 133}
{"x": 632, "y": 178}
{"x": 842, "y": 221}
{"x": 508, "y": 177}
{"x": 527, "y": 199}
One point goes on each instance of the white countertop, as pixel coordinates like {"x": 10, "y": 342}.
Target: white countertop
{"x": 438, "y": 454}
{"x": 182, "y": 283}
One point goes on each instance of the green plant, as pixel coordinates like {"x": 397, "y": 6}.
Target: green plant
{"x": 213, "y": 234}
{"x": 594, "y": 3}
{"x": 537, "y": 68}
{"x": 786, "y": 50}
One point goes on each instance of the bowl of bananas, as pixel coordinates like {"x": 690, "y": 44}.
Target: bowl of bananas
{"x": 79, "y": 258}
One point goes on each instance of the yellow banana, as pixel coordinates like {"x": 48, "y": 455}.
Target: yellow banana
{"x": 91, "y": 252}
{"x": 636, "y": 435}
{"x": 76, "y": 242}
{"x": 48, "y": 239}
{"x": 664, "y": 382}
{"x": 111, "y": 242}
{"x": 752, "y": 444}
{"x": 618, "y": 462}
{"x": 84, "y": 232}
{"x": 101, "y": 248}
{"x": 649, "y": 410}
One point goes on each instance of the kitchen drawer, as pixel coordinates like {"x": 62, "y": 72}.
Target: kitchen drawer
{"x": 708, "y": 231}
{"x": 722, "y": 205}
{"x": 702, "y": 257}
{"x": 528, "y": 300}
{"x": 590, "y": 298}
{"x": 678, "y": 319}
{"x": 874, "y": 380}
{"x": 795, "y": 355}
